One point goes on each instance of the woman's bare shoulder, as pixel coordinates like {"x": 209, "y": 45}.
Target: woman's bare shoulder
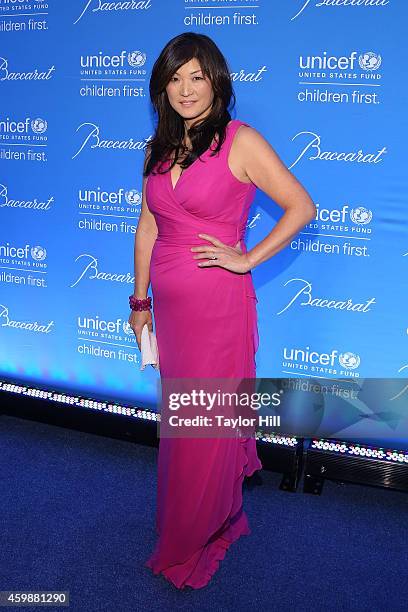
{"x": 248, "y": 136}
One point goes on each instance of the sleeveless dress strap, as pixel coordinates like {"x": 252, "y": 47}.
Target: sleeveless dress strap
{"x": 232, "y": 129}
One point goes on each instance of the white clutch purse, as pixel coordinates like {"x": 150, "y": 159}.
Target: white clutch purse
{"x": 148, "y": 349}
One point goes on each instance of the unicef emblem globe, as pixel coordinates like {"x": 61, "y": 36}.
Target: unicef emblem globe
{"x": 133, "y": 196}
{"x": 361, "y": 215}
{"x": 38, "y": 253}
{"x": 39, "y": 125}
{"x": 351, "y": 361}
{"x": 126, "y": 328}
{"x": 369, "y": 61}
{"x": 136, "y": 58}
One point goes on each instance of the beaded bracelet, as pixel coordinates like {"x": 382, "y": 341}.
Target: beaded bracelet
{"x": 136, "y": 304}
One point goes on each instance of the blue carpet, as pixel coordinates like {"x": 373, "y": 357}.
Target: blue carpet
{"x": 78, "y": 515}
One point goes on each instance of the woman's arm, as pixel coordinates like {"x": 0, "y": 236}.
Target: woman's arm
{"x": 257, "y": 161}
{"x": 145, "y": 237}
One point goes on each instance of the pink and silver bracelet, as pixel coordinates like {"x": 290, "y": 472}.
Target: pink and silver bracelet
{"x": 136, "y": 304}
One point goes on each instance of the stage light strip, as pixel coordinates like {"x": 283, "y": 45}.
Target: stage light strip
{"x": 277, "y": 439}
{"x": 360, "y": 450}
{"x": 81, "y": 402}
{"x": 120, "y": 409}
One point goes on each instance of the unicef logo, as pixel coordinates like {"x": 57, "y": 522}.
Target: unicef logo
{"x": 133, "y": 197}
{"x": 38, "y": 253}
{"x": 369, "y": 60}
{"x": 361, "y": 215}
{"x": 351, "y": 361}
{"x": 39, "y": 126}
{"x": 136, "y": 58}
{"x": 127, "y": 329}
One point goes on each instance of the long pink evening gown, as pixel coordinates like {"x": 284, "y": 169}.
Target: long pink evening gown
{"x": 206, "y": 326}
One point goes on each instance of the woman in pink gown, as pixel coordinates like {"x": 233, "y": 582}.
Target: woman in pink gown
{"x": 204, "y": 310}
{"x": 205, "y": 322}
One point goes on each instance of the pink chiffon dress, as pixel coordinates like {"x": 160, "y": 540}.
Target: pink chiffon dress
{"x": 205, "y": 321}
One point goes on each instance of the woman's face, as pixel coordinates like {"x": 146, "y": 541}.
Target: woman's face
{"x": 190, "y": 93}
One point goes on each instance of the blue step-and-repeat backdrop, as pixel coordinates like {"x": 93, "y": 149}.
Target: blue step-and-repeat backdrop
{"x": 322, "y": 81}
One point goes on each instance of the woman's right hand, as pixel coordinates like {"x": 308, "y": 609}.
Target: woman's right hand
{"x": 137, "y": 319}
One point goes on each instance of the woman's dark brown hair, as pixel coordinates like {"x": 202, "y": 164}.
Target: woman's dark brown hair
{"x": 170, "y": 130}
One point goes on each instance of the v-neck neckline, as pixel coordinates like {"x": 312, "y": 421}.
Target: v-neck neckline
{"x": 174, "y": 187}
